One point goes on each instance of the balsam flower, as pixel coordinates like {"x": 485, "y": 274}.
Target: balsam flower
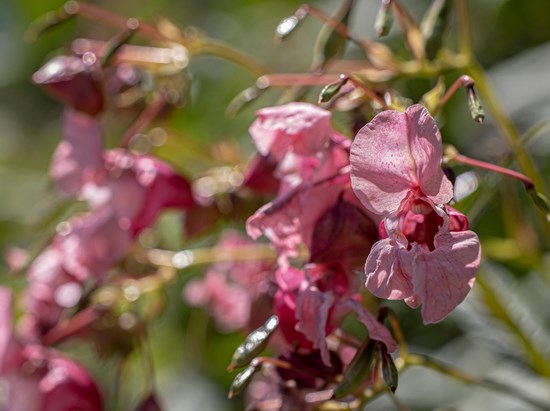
{"x": 426, "y": 255}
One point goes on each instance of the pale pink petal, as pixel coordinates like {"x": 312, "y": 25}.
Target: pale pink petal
{"x": 10, "y": 349}
{"x": 388, "y": 270}
{"x": 94, "y": 243}
{"x": 312, "y": 312}
{"x": 443, "y": 278}
{"x": 290, "y": 220}
{"x": 78, "y": 158}
{"x": 299, "y": 127}
{"x": 396, "y": 155}
{"x": 377, "y": 331}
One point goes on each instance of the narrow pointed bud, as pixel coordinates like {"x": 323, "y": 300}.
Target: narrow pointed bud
{"x": 254, "y": 343}
{"x": 389, "y": 370}
{"x": 330, "y": 90}
{"x": 358, "y": 370}
{"x": 287, "y": 25}
{"x": 476, "y": 109}
{"x": 384, "y": 19}
{"x": 242, "y": 379}
{"x": 113, "y": 45}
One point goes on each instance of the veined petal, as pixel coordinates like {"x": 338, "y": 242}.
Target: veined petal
{"x": 388, "y": 270}
{"x": 397, "y": 154}
{"x": 443, "y": 278}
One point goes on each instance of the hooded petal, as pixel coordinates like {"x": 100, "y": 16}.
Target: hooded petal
{"x": 388, "y": 270}
{"x": 397, "y": 154}
{"x": 299, "y": 127}
{"x": 443, "y": 278}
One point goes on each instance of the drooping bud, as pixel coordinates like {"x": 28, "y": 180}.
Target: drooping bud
{"x": 287, "y": 25}
{"x": 540, "y": 201}
{"x": 254, "y": 343}
{"x": 384, "y": 19}
{"x": 242, "y": 99}
{"x": 49, "y": 20}
{"x": 72, "y": 80}
{"x": 330, "y": 90}
{"x": 476, "y": 109}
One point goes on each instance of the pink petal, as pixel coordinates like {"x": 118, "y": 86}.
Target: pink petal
{"x": 10, "y": 349}
{"x": 312, "y": 313}
{"x": 377, "y": 331}
{"x": 78, "y": 158}
{"x": 299, "y": 127}
{"x": 443, "y": 278}
{"x": 396, "y": 155}
{"x": 388, "y": 270}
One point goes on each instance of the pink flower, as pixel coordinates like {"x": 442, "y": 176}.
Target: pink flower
{"x": 78, "y": 158}
{"x": 231, "y": 290}
{"x": 427, "y": 255}
{"x": 396, "y": 160}
{"x": 312, "y": 302}
{"x": 427, "y": 259}
{"x": 312, "y": 159}
{"x": 38, "y": 379}
{"x": 298, "y": 127}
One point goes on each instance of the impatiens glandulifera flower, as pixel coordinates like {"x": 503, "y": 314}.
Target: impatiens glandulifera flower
{"x": 74, "y": 81}
{"x": 396, "y": 161}
{"x": 311, "y": 158}
{"x": 40, "y": 379}
{"x": 312, "y": 302}
{"x": 426, "y": 255}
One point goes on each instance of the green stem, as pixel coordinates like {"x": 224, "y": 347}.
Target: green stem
{"x": 509, "y": 131}
{"x": 209, "y": 46}
{"x": 463, "y": 23}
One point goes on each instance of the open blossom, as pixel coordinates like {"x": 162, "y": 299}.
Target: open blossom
{"x": 312, "y": 302}
{"x": 40, "y": 379}
{"x": 426, "y": 255}
{"x": 310, "y": 158}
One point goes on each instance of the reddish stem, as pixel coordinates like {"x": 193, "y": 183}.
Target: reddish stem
{"x": 100, "y": 15}
{"x": 371, "y": 94}
{"x": 146, "y": 116}
{"x": 462, "y": 81}
{"x": 459, "y": 158}
{"x": 71, "y": 326}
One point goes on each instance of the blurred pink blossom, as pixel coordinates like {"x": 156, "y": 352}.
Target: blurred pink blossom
{"x": 37, "y": 378}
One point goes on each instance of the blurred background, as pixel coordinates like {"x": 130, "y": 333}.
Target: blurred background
{"x": 512, "y": 42}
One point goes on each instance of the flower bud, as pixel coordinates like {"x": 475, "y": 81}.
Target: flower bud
{"x": 254, "y": 343}
{"x": 242, "y": 379}
{"x": 358, "y": 370}
{"x": 476, "y": 109}
{"x": 384, "y": 19}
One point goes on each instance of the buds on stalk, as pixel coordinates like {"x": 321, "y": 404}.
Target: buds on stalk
{"x": 330, "y": 90}
{"x": 476, "y": 109}
{"x": 384, "y": 19}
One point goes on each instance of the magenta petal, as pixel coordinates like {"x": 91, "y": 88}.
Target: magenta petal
{"x": 388, "y": 269}
{"x": 396, "y": 154}
{"x": 312, "y": 312}
{"x": 299, "y": 127}
{"x": 78, "y": 158}
{"x": 443, "y": 278}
